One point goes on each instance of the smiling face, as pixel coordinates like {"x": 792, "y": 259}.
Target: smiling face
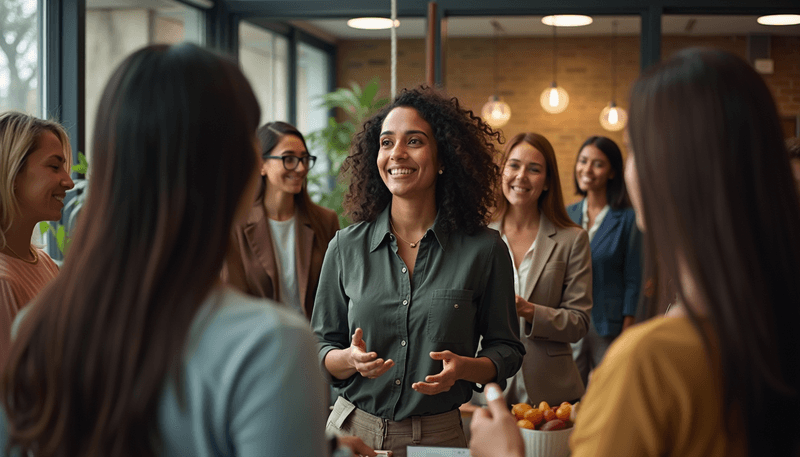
{"x": 279, "y": 179}
{"x": 593, "y": 170}
{"x": 524, "y": 176}
{"x": 407, "y": 159}
{"x": 43, "y": 181}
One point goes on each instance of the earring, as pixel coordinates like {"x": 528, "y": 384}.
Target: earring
{"x": 441, "y": 171}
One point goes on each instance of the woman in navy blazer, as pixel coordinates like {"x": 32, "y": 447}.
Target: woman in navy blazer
{"x": 606, "y": 214}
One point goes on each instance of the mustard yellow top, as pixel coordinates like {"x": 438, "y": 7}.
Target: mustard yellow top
{"x": 655, "y": 394}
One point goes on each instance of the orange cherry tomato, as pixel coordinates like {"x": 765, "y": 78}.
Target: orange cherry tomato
{"x": 549, "y": 415}
{"x": 525, "y": 424}
{"x": 543, "y": 406}
{"x": 534, "y": 416}
{"x": 564, "y": 411}
{"x": 518, "y": 410}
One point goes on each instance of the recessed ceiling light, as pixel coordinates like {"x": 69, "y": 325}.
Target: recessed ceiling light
{"x": 372, "y": 23}
{"x": 567, "y": 20}
{"x": 779, "y": 19}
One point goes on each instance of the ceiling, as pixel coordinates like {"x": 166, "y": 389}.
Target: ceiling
{"x": 129, "y": 4}
{"x": 532, "y": 26}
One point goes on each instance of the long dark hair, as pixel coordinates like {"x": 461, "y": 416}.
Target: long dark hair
{"x": 720, "y": 205}
{"x": 269, "y": 135}
{"x": 174, "y": 153}
{"x": 616, "y": 192}
{"x": 551, "y": 202}
{"x": 466, "y": 150}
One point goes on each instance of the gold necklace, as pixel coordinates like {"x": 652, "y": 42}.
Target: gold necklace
{"x": 413, "y": 245}
{"x": 33, "y": 253}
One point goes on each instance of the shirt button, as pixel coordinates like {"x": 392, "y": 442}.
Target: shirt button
{"x": 404, "y": 269}
{"x": 405, "y": 302}
{"x": 397, "y": 381}
{"x": 403, "y": 343}
{"x": 455, "y": 306}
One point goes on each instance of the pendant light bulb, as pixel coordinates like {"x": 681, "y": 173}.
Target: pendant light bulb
{"x": 496, "y": 112}
{"x": 554, "y": 99}
{"x": 613, "y": 118}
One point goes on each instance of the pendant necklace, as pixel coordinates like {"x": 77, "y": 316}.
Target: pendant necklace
{"x": 33, "y": 253}
{"x": 413, "y": 245}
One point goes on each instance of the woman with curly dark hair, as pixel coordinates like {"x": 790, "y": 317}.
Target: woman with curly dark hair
{"x": 406, "y": 292}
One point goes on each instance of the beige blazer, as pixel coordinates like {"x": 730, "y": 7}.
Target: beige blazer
{"x": 559, "y": 283}
{"x": 252, "y": 266}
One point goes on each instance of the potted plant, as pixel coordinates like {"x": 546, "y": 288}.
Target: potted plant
{"x": 354, "y": 105}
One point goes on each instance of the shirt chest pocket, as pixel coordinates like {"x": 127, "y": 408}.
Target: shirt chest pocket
{"x": 451, "y": 316}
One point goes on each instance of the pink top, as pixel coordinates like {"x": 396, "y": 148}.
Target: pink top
{"x": 20, "y": 282}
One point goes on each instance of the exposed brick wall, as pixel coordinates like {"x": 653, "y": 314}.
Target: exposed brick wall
{"x": 525, "y": 70}
{"x": 785, "y": 83}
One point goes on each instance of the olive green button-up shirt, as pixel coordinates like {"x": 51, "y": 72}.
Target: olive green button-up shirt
{"x": 462, "y": 290}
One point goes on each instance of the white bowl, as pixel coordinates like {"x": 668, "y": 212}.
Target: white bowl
{"x": 546, "y": 444}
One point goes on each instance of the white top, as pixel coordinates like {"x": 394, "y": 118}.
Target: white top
{"x": 521, "y": 274}
{"x": 515, "y": 387}
{"x": 283, "y": 243}
{"x": 597, "y": 221}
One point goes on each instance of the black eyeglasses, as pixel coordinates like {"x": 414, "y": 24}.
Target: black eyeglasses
{"x": 291, "y": 162}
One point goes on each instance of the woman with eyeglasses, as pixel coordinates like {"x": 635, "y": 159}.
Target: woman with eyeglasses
{"x": 282, "y": 242}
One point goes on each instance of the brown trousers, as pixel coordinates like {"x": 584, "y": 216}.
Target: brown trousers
{"x": 444, "y": 430}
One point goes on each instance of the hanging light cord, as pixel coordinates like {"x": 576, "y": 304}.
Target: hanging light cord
{"x": 394, "y": 49}
{"x": 614, "y": 62}
{"x": 497, "y": 29}
{"x": 555, "y": 52}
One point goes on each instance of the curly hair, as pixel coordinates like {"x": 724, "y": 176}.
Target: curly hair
{"x": 466, "y": 149}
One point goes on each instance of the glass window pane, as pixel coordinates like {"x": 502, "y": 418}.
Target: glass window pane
{"x": 263, "y": 56}
{"x": 20, "y": 62}
{"x": 313, "y": 74}
{"x": 116, "y": 28}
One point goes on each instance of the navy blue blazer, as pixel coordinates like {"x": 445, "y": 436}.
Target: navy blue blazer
{"x": 616, "y": 268}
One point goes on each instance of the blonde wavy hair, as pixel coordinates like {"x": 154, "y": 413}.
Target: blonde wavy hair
{"x": 19, "y": 136}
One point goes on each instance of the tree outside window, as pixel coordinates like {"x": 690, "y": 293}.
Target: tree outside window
{"x": 19, "y": 59}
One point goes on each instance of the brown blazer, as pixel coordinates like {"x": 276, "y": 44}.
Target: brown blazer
{"x": 560, "y": 284}
{"x": 252, "y": 266}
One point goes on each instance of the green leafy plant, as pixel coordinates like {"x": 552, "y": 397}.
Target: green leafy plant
{"x": 75, "y": 196}
{"x": 354, "y": 106}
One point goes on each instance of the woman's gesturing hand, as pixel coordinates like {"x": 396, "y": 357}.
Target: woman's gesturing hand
{"x": 443, "y": 381}
{"x": 366, "y": 363}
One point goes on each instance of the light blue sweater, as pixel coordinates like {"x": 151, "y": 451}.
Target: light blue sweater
{"x": 251, "y": 384}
